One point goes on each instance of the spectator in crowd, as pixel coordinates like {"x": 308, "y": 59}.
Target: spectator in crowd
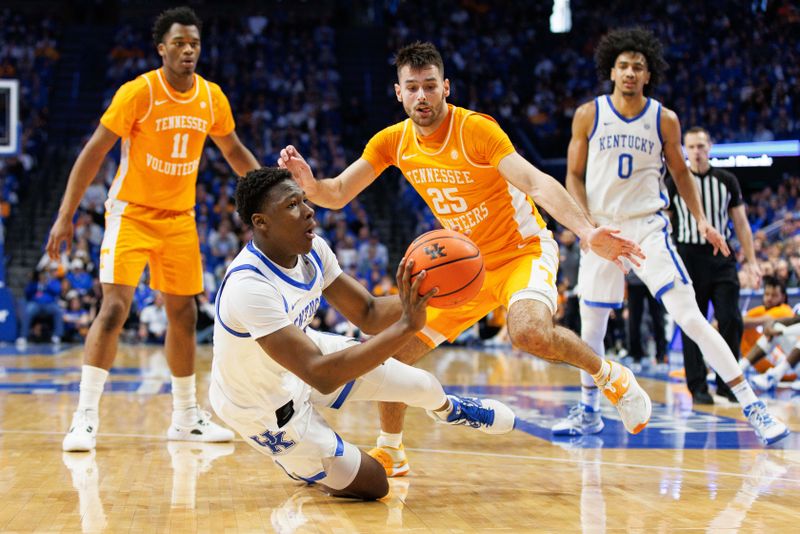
{"x": 153, "y": 321}
{"x": 76, "y": 318}
{"x": 41, "y": 298}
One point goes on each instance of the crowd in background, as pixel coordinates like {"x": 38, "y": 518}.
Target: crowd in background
{"x": 734, "y": 67}
{"x": 284, "y": 87}
{"x": 28, "y": 53}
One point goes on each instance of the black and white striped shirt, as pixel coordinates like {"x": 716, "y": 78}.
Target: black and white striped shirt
{"x": 719, "y": 191}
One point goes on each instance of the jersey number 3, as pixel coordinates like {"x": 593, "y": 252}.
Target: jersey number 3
{"x": 445, "y": 201}
{"x": 625, "y": 166}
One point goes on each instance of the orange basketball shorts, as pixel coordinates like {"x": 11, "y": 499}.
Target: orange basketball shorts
{"x": 530, "y": 275}
{"x": 167, "y": 240}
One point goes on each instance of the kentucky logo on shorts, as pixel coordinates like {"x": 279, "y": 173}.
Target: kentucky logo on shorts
{"x": 276, "y": 442}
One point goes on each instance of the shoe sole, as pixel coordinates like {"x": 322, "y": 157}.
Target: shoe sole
{"x": 397, "y": 472}
{"x": 66, "y": 448}
{"x": 634, "y": 384}
{"x": 777, "y": 438}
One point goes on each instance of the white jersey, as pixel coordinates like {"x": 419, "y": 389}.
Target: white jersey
{"x": 256, "y": 298}
{"x": 625, "y": 167}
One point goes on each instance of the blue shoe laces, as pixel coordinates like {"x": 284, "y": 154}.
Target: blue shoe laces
{"x": 469, "y": 411}
{"x": 758, "y": 410}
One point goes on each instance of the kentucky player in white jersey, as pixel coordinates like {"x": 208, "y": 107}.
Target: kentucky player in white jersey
{"x": 620, "y": 146}
{"x": 272, "y": 373}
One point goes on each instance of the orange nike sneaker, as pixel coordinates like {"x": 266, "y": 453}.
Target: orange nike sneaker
{"x": 630, "y": 400}
{"x": 393, "y": 459}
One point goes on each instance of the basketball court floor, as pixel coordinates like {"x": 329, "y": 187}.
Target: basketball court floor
{"x": 692, "y": 468}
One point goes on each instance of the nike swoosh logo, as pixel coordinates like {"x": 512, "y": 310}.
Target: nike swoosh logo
{"x": 408, "y": 156}
{"x": 607, "y": 123}
{"x": 159, "y": 102}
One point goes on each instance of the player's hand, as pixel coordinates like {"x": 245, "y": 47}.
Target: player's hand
{"x": 457, "y": 228}
{"x": 61, "y": 232}
{"x": 752, "y": 272}
{"x": 291, "y": 160}
{"x": 607, "y": 243}
{"x": 714, "y": 238}
{"x": 414, "y": 304}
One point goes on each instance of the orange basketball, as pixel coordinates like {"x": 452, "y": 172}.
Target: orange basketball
{"x": 454, "y": 265}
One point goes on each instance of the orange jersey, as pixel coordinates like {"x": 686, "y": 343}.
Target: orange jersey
{"x": 751, "y": 335}
{"x": 163, "y": 133}
{"x": 455, "y": 171}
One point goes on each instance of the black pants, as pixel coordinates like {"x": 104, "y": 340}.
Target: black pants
{"x": 715, "y": 280}
{"x": 638, "y": 294}
{"x": 572, "y": 315}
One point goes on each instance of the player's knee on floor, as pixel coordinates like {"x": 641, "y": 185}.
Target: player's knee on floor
{"x": 369, "y": 482}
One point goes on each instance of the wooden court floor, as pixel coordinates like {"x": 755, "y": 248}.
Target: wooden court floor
{"x": 695, "y": 469}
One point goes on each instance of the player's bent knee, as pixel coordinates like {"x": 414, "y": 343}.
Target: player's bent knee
{"x": 537, "y": 341}
{"x": 113, "y": 314}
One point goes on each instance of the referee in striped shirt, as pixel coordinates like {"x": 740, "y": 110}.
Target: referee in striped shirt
{"x": 715, "y": 277}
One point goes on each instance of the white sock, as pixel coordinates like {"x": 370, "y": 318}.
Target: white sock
{"x": 744, "y": 363}
{"x": 183, "y": 393}
{"x": 744, "y": 393}
{"x": 590, "y": 395}
{"x": 93, "y": 379}
{"x": 387, "y": 439}
{"x": 603, "y": 375}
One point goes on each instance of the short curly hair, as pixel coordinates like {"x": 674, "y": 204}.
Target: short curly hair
{"x": 253, "y": 189}
{"x": 636, "y": 39}
{"x": 418, "y": 55}
{"x": 181, "y": 15}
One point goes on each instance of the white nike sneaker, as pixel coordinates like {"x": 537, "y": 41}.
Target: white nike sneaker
{"x": 768, "y": 429}
{"x": 487, "y": 415}
{"x": 631, "y": 401}
{"x": 82, "y": 434}
{"x": 196, "y": 425}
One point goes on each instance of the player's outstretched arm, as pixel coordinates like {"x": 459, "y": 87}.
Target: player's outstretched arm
{"x": 369, "y": 313}
{"x": 687, "y": 188}
{"x": 295, "y": 351}
{"x": 332, "y": 193}
{"x": 551, "y": 195}
{"x": 236, "y": 154}
{"x": 81, "y": 175}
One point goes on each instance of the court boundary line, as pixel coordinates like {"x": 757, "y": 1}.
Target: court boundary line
{"x": 162, "y": 437}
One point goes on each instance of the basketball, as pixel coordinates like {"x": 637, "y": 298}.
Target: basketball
{"x": 454, "y": 265}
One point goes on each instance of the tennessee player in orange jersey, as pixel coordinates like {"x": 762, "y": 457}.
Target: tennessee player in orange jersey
{"x": 163, "y": 118}
{"x": 465, "y": 167}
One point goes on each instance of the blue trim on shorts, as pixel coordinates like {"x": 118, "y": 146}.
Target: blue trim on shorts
{"x": 684, "y": 279}
{"x": 339, "y": 446}
{"x": 343, "y": 395}
{"x": 595, "y": 304}
{"x": 315, "y": 478}
{"x": 660, "y": 292}
{"x": 243, "y": 267}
